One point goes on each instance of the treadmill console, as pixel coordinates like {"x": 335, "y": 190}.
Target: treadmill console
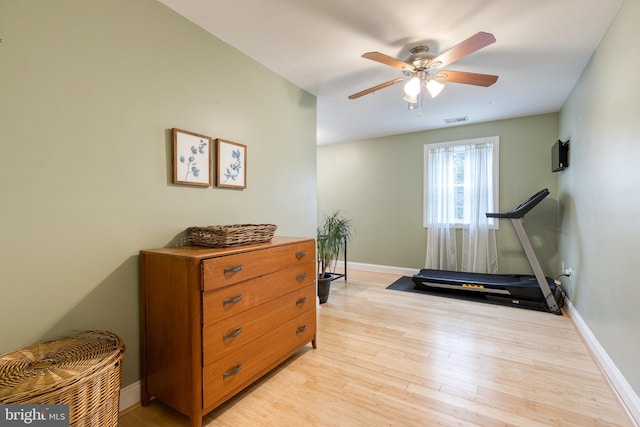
{"x": 523, "y": 208}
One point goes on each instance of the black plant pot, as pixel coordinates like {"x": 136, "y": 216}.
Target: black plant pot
{"x": 324, "y": 286}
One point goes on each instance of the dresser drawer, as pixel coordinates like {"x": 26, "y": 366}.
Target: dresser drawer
{"x": 226, "y": 270}
{"x": 231, "y": 300}
{"x": 185, "y": 317}
{"x": 233, "y": 372}
{"x": 226, "y": 336}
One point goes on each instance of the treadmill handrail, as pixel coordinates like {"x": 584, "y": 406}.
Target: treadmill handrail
{"x": 523, "y": 208}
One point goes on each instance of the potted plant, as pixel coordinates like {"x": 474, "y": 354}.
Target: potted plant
{"x": 333, "y": 233}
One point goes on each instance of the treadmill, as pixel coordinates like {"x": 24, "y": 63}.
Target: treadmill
{"x": 521, "y": 290}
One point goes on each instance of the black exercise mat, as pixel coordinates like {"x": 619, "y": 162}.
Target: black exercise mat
{"x": 406, "y": 284}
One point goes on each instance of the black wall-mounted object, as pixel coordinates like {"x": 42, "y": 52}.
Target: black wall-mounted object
{"x": 560, "y": 156}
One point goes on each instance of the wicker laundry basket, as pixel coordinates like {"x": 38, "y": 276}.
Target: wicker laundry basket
{"x": 82, "y": 371}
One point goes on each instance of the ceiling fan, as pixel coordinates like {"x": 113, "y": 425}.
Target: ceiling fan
{"x": 422, "y": 70}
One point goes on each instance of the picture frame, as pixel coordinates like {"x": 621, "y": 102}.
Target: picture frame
{"x": 231, "y": 164}
{"x": 192, "y": 158}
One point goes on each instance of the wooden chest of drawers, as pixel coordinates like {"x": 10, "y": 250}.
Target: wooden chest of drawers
{"x": 216, "y": 320}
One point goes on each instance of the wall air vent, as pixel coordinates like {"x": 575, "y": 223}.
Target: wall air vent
{"x": 456, "y": 120}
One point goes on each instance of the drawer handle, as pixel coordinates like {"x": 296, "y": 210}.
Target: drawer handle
{"x": 233, "y": 269}
{"x": 301, "y": 329}
{"x": 301, "y": 301}
{"x": 301, "y": 254}
{"x": 232, "y": 372}
{"x": 232, "y": 334}
{"x": 301, "y": 276}
{"x": 232, "y": 300}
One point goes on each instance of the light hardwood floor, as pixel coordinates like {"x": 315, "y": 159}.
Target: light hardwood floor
{"x": 391, "y": 358}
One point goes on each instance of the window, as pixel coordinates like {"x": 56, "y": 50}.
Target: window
{"x": 461, "y": 182}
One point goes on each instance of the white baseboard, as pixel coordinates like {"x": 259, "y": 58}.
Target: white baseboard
{"x": 380, "y": 268}
{"x": 130, "y": 395}
{"x": 625, "y": 393}
{"x": 629, "y": 398}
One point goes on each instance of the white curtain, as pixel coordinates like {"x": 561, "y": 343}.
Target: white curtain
{"x": 441, "y": 234}
{"x": 479, "y": 252}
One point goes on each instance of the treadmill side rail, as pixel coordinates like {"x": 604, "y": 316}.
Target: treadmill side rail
{"x": 535, "y": 265}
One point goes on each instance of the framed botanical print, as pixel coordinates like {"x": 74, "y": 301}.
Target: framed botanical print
{"x": 231, "y": 164}
{"x": 192, "y": 158}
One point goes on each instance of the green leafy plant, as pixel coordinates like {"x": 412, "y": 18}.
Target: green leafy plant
{"x": 334, "y": 231}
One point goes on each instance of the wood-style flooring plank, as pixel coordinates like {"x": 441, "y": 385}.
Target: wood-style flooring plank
{"x": 391, "y": 358}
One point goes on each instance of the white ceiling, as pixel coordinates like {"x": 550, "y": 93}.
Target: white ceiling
{"x": 542, "y": 47}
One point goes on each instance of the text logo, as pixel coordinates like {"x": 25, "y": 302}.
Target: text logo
{"x": 34, "y": 415}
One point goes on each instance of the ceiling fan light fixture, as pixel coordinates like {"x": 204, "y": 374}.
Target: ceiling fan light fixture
{"x": 412, "y": 87}
{"x": 434, "y": 88}
{"x": 411, "y": 99}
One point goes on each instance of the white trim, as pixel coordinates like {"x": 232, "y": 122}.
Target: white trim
{"x": 627, "y": 396}
{"x": 374, "y": 268}
{"x": 494, "y": 141}
{"x": 130, "y": 395}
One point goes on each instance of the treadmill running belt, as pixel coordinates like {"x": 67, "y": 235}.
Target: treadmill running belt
{"x": 515, "y": 286}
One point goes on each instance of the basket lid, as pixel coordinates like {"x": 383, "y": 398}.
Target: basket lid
{"x": 39, "y": 368}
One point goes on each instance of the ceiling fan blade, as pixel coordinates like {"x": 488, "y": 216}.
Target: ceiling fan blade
{"x": 387, "y": 60}
{"x": 447, "y": 76}
{"x": 464, "y": 48}
{"x": 376, "y": 88}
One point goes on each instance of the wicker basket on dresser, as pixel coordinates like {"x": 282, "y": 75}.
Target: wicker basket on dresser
{"x": 217, "y": 319}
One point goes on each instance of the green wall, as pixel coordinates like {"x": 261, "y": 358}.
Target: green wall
{"x": 378, "y": 183}
{"x": 89, "y": 91}
{"x": 600, "y": 193}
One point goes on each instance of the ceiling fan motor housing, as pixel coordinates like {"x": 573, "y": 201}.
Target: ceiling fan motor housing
{"x": 420, "y": 56}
